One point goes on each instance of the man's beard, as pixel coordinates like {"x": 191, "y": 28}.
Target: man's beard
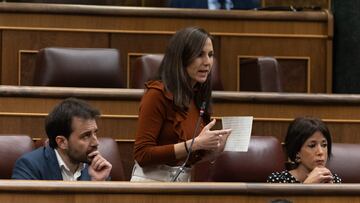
{"x": 77, "y": 157}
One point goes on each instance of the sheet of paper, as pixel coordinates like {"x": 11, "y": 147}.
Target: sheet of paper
{"x": 239, "y": 138}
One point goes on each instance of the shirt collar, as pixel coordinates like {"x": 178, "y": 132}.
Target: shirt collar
{"x": 65, "y": 168}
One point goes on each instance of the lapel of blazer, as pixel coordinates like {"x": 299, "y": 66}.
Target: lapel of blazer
{"x": 54, "y": 169}
{"x": 85, "y": 174}
{"x": 54, "y": 172}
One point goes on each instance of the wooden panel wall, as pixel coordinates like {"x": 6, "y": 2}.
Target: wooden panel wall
{"x": 23, "y": 109}
{"x": 290, "y": 35}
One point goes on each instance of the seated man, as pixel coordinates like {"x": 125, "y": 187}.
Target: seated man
{"x": 72, "y": 153}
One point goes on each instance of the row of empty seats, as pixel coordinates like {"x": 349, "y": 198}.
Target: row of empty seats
{"x": 264, "y": 156}
{"x": 100, "y": 67}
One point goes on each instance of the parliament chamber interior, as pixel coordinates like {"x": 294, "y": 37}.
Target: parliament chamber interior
{"x": 278, "y": 61}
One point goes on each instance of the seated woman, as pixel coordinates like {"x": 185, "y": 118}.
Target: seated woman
{"x": 308, "y": 146}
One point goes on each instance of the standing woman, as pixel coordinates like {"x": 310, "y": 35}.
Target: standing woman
{"x": 169, "y": 111}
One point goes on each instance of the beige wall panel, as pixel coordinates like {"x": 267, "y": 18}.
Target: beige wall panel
{"x": 27, "y": 64}
{"x": 281, "y": 110}
{"x": 113, "y": 107}
{"x": 168, "y": 24}
{"x": 123, "y": 128}
{"x": 28, "y": 125}
{"x": 28, "y": 105}
{"x": 44, "y": 105}
{"x": 25, "y": 114}
{"x": 341, "y": 132}
{"x": 34, "y": 126}
{"x": 294, "y": 74}
{"x": 117, "y": 128}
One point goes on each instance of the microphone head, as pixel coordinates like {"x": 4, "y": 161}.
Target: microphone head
{"x": 202, "y": 108}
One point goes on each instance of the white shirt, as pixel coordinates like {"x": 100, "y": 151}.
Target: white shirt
{"x": 65, "y": 171}
{"x": 214, "y": 4}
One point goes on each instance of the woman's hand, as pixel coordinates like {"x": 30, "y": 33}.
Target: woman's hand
{"x": 211, "y": 139}
{"x": 319, "y": 175}
{"x": 223, "y": 139}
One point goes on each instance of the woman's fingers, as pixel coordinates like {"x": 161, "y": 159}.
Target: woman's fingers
{"x": 212, "y": 139}
{"x": 221, "y": 132}
{"x": 210, "y": 125}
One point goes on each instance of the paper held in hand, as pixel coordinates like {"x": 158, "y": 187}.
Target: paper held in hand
{"x": 239, "y": 138}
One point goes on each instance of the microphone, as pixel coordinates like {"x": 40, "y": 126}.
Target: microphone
{"x": 182, "y": 167}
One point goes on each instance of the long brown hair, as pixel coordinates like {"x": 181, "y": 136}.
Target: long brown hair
{"x": 183, "y": 48}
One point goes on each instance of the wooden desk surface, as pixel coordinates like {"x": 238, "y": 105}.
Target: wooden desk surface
{"x": 100, "y": 192}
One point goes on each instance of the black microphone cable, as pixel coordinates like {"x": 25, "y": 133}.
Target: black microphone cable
{"x": 182, "y": 167}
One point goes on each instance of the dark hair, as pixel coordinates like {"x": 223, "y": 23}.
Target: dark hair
{"x": 300, "y": 130}
{"x": 183, "y": 48}
{"x": 59, "y": 120}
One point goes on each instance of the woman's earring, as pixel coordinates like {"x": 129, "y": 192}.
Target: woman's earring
{"x": 297, "y": 158}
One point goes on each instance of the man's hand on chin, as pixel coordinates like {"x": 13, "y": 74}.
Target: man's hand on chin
{"x": 99, "y": 168}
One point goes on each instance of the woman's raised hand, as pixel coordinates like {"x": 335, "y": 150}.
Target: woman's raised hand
{"x": 211, "y": 139}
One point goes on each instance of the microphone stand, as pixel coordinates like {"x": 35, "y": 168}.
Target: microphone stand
{"x": 182, "y": 167}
